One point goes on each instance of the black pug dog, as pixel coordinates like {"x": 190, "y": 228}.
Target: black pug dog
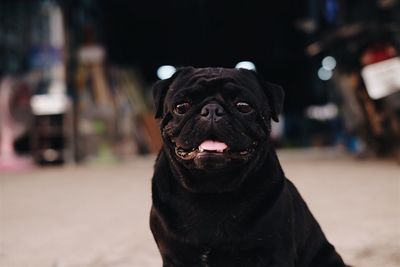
{"x": 220, "y": 197}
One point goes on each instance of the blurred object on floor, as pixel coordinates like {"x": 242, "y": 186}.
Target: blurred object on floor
{"x": 15, "y": 117}
{"x": 364, "y": 41}
{"x": 51, "y": 134}
{"x": 374, "y": 120}
{"x": 324, "y": 124}
{"x": 133, "y": 95}
{"x": 114, "y": 118}
{"x": 380, "y": 72}
{"x": 51, "y": 138}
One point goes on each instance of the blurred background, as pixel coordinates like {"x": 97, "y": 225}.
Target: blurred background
{"x": 75, "y": 94}
{"x": 76, "y": 76}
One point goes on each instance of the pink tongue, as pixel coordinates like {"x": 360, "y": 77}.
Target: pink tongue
{"x": 213, "y": 145}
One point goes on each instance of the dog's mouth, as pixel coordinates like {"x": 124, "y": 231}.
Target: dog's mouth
{"x": 213, "y": 148}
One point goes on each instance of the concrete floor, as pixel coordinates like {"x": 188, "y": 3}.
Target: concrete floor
{"x": 97, "y": 216}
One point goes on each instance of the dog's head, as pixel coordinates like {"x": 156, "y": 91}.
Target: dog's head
{"x": 215, "y": 124}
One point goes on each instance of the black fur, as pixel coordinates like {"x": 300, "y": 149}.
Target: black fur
{"x": 245, "y": 213}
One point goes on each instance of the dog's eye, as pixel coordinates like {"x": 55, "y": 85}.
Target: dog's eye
{"x": 243, "y": 107}
{"x": 182, "y": 108}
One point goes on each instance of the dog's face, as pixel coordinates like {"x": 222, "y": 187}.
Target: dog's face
{"x": 215, "y": 125}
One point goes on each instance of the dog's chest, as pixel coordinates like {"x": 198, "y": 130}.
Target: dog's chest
{"x": 213, "y": 229}
{"x": 239, "y": 258}
{"x": 228, "y": 241}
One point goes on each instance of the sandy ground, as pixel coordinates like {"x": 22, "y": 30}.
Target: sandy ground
{"x": 97, "y": 216}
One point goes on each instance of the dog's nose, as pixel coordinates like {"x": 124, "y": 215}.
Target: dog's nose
{"x": 212, "y": 111}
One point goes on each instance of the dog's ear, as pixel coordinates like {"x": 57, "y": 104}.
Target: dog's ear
{"x": 274, "y": 93}
{"x": 275, "y": 96}
{"x": 160, "y": 89}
